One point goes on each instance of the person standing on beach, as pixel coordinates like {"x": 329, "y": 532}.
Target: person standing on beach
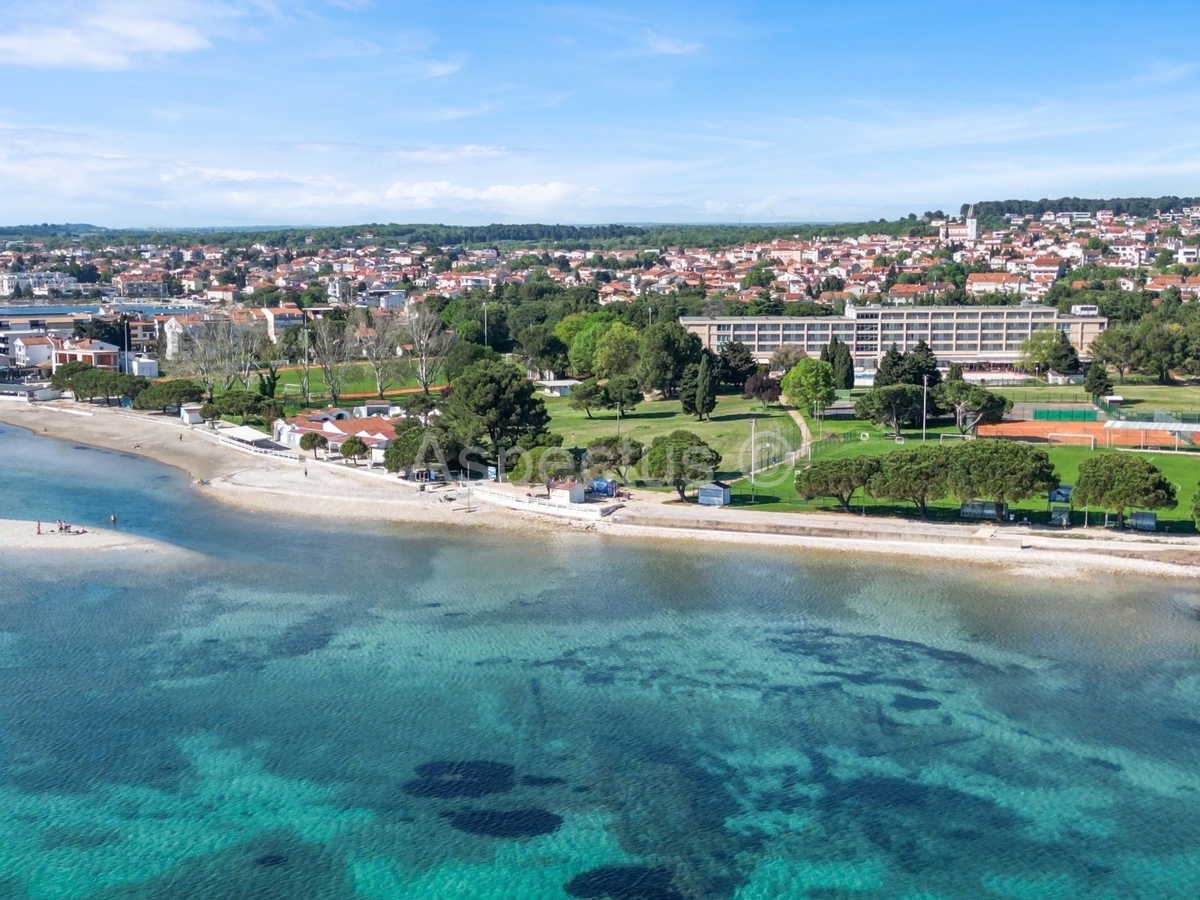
{"x": 39, "y": 526}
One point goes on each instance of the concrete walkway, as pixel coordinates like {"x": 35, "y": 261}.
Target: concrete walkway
{"x": 1184, "y": 551}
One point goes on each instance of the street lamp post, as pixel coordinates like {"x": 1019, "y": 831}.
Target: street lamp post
{"x": 924, "y": 406}
{"x": 753, "y": 456}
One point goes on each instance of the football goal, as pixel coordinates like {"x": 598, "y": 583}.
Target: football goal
{"x": 942, "y": 438}
{"x": 1087, "y": 440}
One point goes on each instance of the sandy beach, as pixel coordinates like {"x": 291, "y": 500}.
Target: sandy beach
{"x": 18, "y": 534}
{"x": 338, "y": 491}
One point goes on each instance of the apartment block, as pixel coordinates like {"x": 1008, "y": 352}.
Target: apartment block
{"x": 962, "y": 334}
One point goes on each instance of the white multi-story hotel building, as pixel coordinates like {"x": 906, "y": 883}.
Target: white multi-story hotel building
{"x": 962, "y": 334}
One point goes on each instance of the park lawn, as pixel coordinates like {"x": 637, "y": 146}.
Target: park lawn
{"x": 1147, "y": 397}
{"x": 360, "y": 380}
{"x": 728, "y": 431}
{"x": 774, "y": 490}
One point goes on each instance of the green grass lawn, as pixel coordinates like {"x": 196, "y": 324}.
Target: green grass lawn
{"x": 1147, "y": 397}
{"x": 728, "y": 431}
{"x": 774, "y": 491}
{"x": 360, "y": 380}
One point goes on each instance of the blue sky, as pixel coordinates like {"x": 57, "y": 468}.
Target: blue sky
{"x": 206, "y": 112}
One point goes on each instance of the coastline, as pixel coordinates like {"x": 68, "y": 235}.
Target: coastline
{"x": 265, "y": 484}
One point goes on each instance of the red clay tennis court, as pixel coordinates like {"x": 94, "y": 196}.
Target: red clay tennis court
{"x": 1079, "y": 433}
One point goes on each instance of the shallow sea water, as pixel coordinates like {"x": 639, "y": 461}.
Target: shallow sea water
{"x": 337, "y": 712}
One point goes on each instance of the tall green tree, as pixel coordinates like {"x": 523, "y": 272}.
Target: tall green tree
{"x": 972, "y": 405}
{"x": 698, "y": 387}
{"x": 588, "y": 395}
{"x": 893, "y": 406}
{"x": 836, "y": 478}
{"x": 582, "y": 352}
{"x": 889, "y": 369}
{"x": 737, "y": 364}
{"x": 810, "y": 386}
{"x": 354, "y": 448}
{"x": 314, "y": 441}
{"x": 667, "y": 350}
{"x": 1116, "y": 346}
{"x": 464, "y": 354}
{"x": 706, "y": 385}
{"x": 493, "y": 403}
{"x": 1121, "y": 481}
{"x": 1063, "y": 357}
{"x": 919, "y": 364}
{"x": 164, "y": 394}
{"x": 917, "y": 476}
{"x": 681, "y": 459}
{"x": 1003, "y": 471}
{"x": 615, "y": 454}
{"x": 543, "y": 350}
{"x": 1036, "y": 351}
{"x": 1157, "y": 349}
{"x": 623, "y": 393}
{"x": 1096, "y": 382}
{"x": 843, "y": 364}
{"x": 617, "y": 351}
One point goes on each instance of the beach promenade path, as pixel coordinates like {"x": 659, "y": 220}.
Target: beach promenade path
{"x": 912, "y": 537}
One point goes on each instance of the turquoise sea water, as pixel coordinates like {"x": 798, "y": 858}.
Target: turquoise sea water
{"x": 319, "y": 710}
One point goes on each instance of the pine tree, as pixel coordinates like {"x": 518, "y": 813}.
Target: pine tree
{"x": 706, "y": 387}
{"x": 918, "y": 363}
{"x": 1063, "y": 358}
{"x": 1097, "y": 383}
{"x": 888, "y": 372}
{"x": 687, "y": 389}
{"x": 843, "y": 365}
{"x": 955, "y": 373}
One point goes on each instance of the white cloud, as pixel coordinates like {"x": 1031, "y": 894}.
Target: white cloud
{"x": 499, "y": 197}
{"x": 448, "y": 155}
{"x": 109, "y": 34}
{"x": 656, "y": 44}
{"x": 439, "y": 68}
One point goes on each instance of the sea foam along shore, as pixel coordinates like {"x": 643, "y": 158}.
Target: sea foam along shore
{"x": 335, "y": 491}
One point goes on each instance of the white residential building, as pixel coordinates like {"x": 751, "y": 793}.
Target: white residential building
{"x": 963, "y": 334}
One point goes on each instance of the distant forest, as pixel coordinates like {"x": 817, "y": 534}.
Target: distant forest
{"x": 570, "y": 237}
{"x": 1143, "y": 207}
{"x": 565, "y": 237}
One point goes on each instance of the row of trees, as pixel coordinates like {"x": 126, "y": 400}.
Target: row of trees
{"x": 170, "y": 394}
{"x": 250, "y": 406}
{"x": 990, "y": 470}
{"x": 89, "y": 383}
{"x": 1000, "y": 471}
{"x": 680, "y": 459}
{"x": 223, "y": 353}
{"x": 1151, "y": 347}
